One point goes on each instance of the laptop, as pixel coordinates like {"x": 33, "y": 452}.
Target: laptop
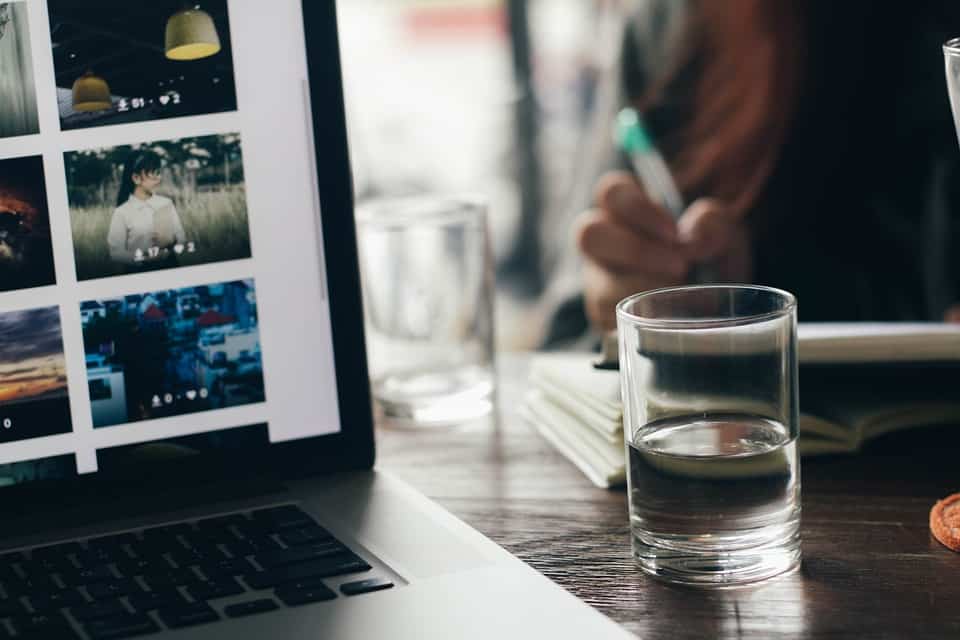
{"x": 186, "y": 441}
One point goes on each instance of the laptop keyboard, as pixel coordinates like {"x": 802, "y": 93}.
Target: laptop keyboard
{"x": 172, "y": 576}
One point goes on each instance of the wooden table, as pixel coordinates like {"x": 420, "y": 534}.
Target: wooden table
{"x": 870, "y": 567}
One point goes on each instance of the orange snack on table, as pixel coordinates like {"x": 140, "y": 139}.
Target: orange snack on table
{"x": 945, "y": 521}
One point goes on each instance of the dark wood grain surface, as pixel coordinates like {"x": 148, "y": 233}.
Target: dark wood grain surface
{"x": 870, "y": 567}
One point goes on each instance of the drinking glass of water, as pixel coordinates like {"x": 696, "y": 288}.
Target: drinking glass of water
{"x": 709, "y": 383}
{"x": 428, "y": 299}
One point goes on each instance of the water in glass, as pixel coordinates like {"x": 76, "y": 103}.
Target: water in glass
{"x": 727, "y": 482}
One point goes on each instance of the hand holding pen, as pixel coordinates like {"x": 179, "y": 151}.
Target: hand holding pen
{"x": 640, "y": 236}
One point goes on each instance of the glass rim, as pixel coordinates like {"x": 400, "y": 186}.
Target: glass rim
{"x": 705, "y": 323}
{"x": 427, "y": 209}
{"x": 952, "y": 47}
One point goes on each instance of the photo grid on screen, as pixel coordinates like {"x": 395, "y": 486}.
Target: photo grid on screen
{"x": 138, "y": 209}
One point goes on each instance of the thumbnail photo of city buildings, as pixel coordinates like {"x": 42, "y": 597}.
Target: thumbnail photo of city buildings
{"x": 172, "y": 352}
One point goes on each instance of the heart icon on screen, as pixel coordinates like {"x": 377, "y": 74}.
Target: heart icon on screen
{"x": 191, "y": 394}
{"x": 164, "y": 100}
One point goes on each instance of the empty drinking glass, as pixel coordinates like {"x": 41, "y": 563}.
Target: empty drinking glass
{"x": 709, "y": 384}
{"x": 428, "y": 296}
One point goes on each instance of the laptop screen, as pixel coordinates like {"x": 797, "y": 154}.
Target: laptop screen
{"x": 162, "y": 283}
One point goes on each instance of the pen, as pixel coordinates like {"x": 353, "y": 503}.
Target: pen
{"x": 651, "y": 170}
{"x": 648, "y": 164}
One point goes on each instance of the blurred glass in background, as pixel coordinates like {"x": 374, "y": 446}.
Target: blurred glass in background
{"x": 489, "y": 96}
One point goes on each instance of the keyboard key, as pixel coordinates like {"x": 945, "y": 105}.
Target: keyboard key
{"x": 250, "y": 608}
{"x": 97, "y": 610}
{"x": 251, "y": 546}
{"x": 322, "y": 568}
{"x": 302, "y": 585}
{"x": 48, "y": 565}
{"x": 227, "y": 567}
{"x": 300, "y": 537}
{"x": 171, "y": 578}
{"x": 35, "y": 583}
{"x": 191, "y": 557}
{"x": 91, "y": 575}
{"x": 4, "y": 580}
{"x": 315, "y": 593}
{"x": 151, "y": 600}
{"x": 11, "y": 607}
{"x": 57, "y": 599}
{"x": 117, "y": 588}
{"x": 281, "y": 518}
{"x": 206, "y": 538}
{"x": 188, "y": 615}
{"x": 365, "y": 586}
{"x": 124, "y": 626}
{"x": 212, "y": 589}
{"x": 13, "y": 587}
{"x": 299, "y": 555}
{"x": 143, "y": 566}
{"x": 153, "y": 549}
{"x": 47, "y": 625}
{"x": 92, "y": 558}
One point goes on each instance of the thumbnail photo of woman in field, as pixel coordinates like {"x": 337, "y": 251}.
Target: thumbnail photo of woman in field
{"x": 145, "y": 229}
{"x": 157, "y": 205}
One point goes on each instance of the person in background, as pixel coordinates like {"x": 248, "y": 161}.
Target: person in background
{"x": 814, "y": 142}
{"x": 145, "y": 230}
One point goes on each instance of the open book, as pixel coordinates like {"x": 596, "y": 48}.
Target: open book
{"x": 857, "y": 382}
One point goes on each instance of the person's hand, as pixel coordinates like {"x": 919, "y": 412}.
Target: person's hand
{"x": 631, "y": 244}
{"x": 952, "y": 315}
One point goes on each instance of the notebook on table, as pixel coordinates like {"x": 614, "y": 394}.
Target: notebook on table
{"x": 857, "y": 382}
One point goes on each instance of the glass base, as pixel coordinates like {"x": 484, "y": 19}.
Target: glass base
{"x": 719, "y": 561}
{"x": 435, "y": 398}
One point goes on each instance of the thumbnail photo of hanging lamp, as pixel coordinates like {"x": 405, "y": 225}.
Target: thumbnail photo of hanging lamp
{"x": 91, "y": 93}
{"x": 191, "y": 35}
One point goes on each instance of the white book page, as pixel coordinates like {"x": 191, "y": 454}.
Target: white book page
{"x": 838, "y": 342}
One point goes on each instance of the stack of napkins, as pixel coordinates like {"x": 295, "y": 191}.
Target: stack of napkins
{"x": 577, "y": 409}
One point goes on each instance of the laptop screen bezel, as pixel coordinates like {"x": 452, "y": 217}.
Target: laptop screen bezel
{"x": 352, "y": 448}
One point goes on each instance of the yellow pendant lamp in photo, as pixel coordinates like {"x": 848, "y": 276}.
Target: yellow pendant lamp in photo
{"x": 91, "y": 93}
{"x": 191, "y": 35}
